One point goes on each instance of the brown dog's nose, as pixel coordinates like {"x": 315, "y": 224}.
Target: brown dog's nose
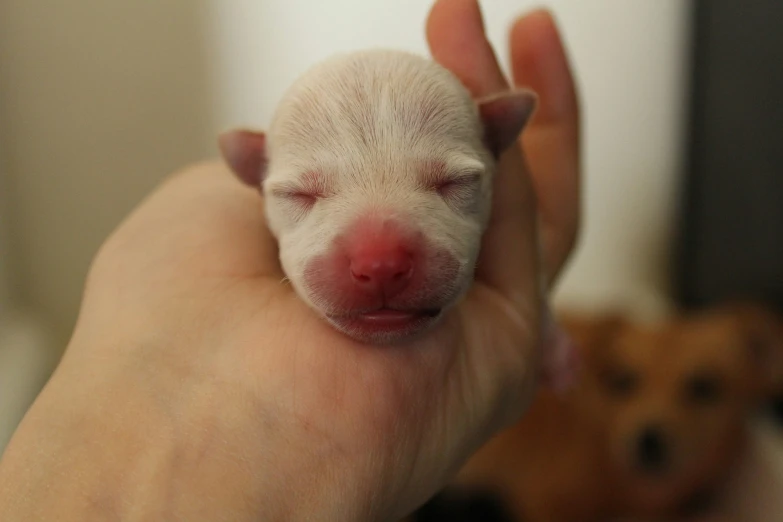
{"x": 652, "y": 449}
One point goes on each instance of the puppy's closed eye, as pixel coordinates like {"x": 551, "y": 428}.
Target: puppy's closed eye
{"x": 303, "y": 194}
{"x": 300, "y": 196}
{"x": 447, "y": 184}
{"x": 299, "y": 201}
{"x": 459, "y": 191}
{"x": 457, "y": 185}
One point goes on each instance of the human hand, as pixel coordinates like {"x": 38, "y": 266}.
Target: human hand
{"x": 197, "y": 387}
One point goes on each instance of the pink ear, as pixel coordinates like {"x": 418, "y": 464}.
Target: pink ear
{"x": 245, "y": 153}
{"x": 504, "y": 116}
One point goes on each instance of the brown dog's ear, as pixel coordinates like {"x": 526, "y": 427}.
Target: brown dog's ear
{"x": 593, "y": 335}
{"x": 762, "y": 330}
{"x": 504, "y": 116}
{"x": 245, "y": 153}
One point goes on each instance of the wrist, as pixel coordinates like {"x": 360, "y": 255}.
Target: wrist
{"x": 110, "y": 451}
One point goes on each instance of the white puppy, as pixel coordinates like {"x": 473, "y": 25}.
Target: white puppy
{"x": 377, "y": 176}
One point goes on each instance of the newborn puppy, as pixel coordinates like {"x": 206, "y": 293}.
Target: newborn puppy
{"x": 377, "y": 177}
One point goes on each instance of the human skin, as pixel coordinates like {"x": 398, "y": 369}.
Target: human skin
{"x": 197, "y": 387}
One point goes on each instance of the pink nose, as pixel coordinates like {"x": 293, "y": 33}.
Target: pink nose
{"x": 382, "y": 267}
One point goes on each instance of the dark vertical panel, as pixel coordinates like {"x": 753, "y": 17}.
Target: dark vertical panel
{"x": 731, "y": 231}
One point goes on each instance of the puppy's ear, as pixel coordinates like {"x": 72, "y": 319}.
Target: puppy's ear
{"x": 504, "y": 116}
{"x": 762, "y": 332}
{"x": 245, "y": 153}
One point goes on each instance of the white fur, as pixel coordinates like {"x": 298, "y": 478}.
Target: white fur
{"x": 366, "y": 120}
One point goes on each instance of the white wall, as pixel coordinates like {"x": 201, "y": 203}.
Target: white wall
{"x": 629, "y": 61}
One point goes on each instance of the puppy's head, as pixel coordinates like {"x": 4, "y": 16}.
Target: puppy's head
{"x": 377, "y": 174}
{"x": 674, "y": 397}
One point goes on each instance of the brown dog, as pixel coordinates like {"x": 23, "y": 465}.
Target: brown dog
{"x": 655, "y": 425}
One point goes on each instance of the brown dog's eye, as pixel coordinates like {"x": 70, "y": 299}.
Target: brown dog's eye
{"x": 621, "y": 382}
{"x": 703, "y": 389}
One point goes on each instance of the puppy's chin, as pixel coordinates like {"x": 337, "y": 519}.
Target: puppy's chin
{"x": 374, "y": 321}
{"x": 386, "y": 326}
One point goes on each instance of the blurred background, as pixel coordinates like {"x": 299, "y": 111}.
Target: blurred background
{"x": 100, "y": 100}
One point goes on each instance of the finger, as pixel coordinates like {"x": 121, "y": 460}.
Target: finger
{"x": 455, "y": 33}
{"x": 551, "y": 141}
{"x": 457, "y": 40}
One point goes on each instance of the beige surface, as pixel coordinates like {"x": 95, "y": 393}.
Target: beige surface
{"x": 99, "y": 100}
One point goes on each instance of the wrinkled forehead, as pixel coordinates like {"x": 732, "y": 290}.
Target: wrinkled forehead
{"x": 375, "y": 106}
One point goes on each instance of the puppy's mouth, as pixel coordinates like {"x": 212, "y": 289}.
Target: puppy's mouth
{"x": 385, "y": 325}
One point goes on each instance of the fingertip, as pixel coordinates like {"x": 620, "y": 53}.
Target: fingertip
{"x": 539, "y": 60}
{"x": 457, "y": 39}
{"x": 445, "y": 14}
{"x": 538, "y": 16}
